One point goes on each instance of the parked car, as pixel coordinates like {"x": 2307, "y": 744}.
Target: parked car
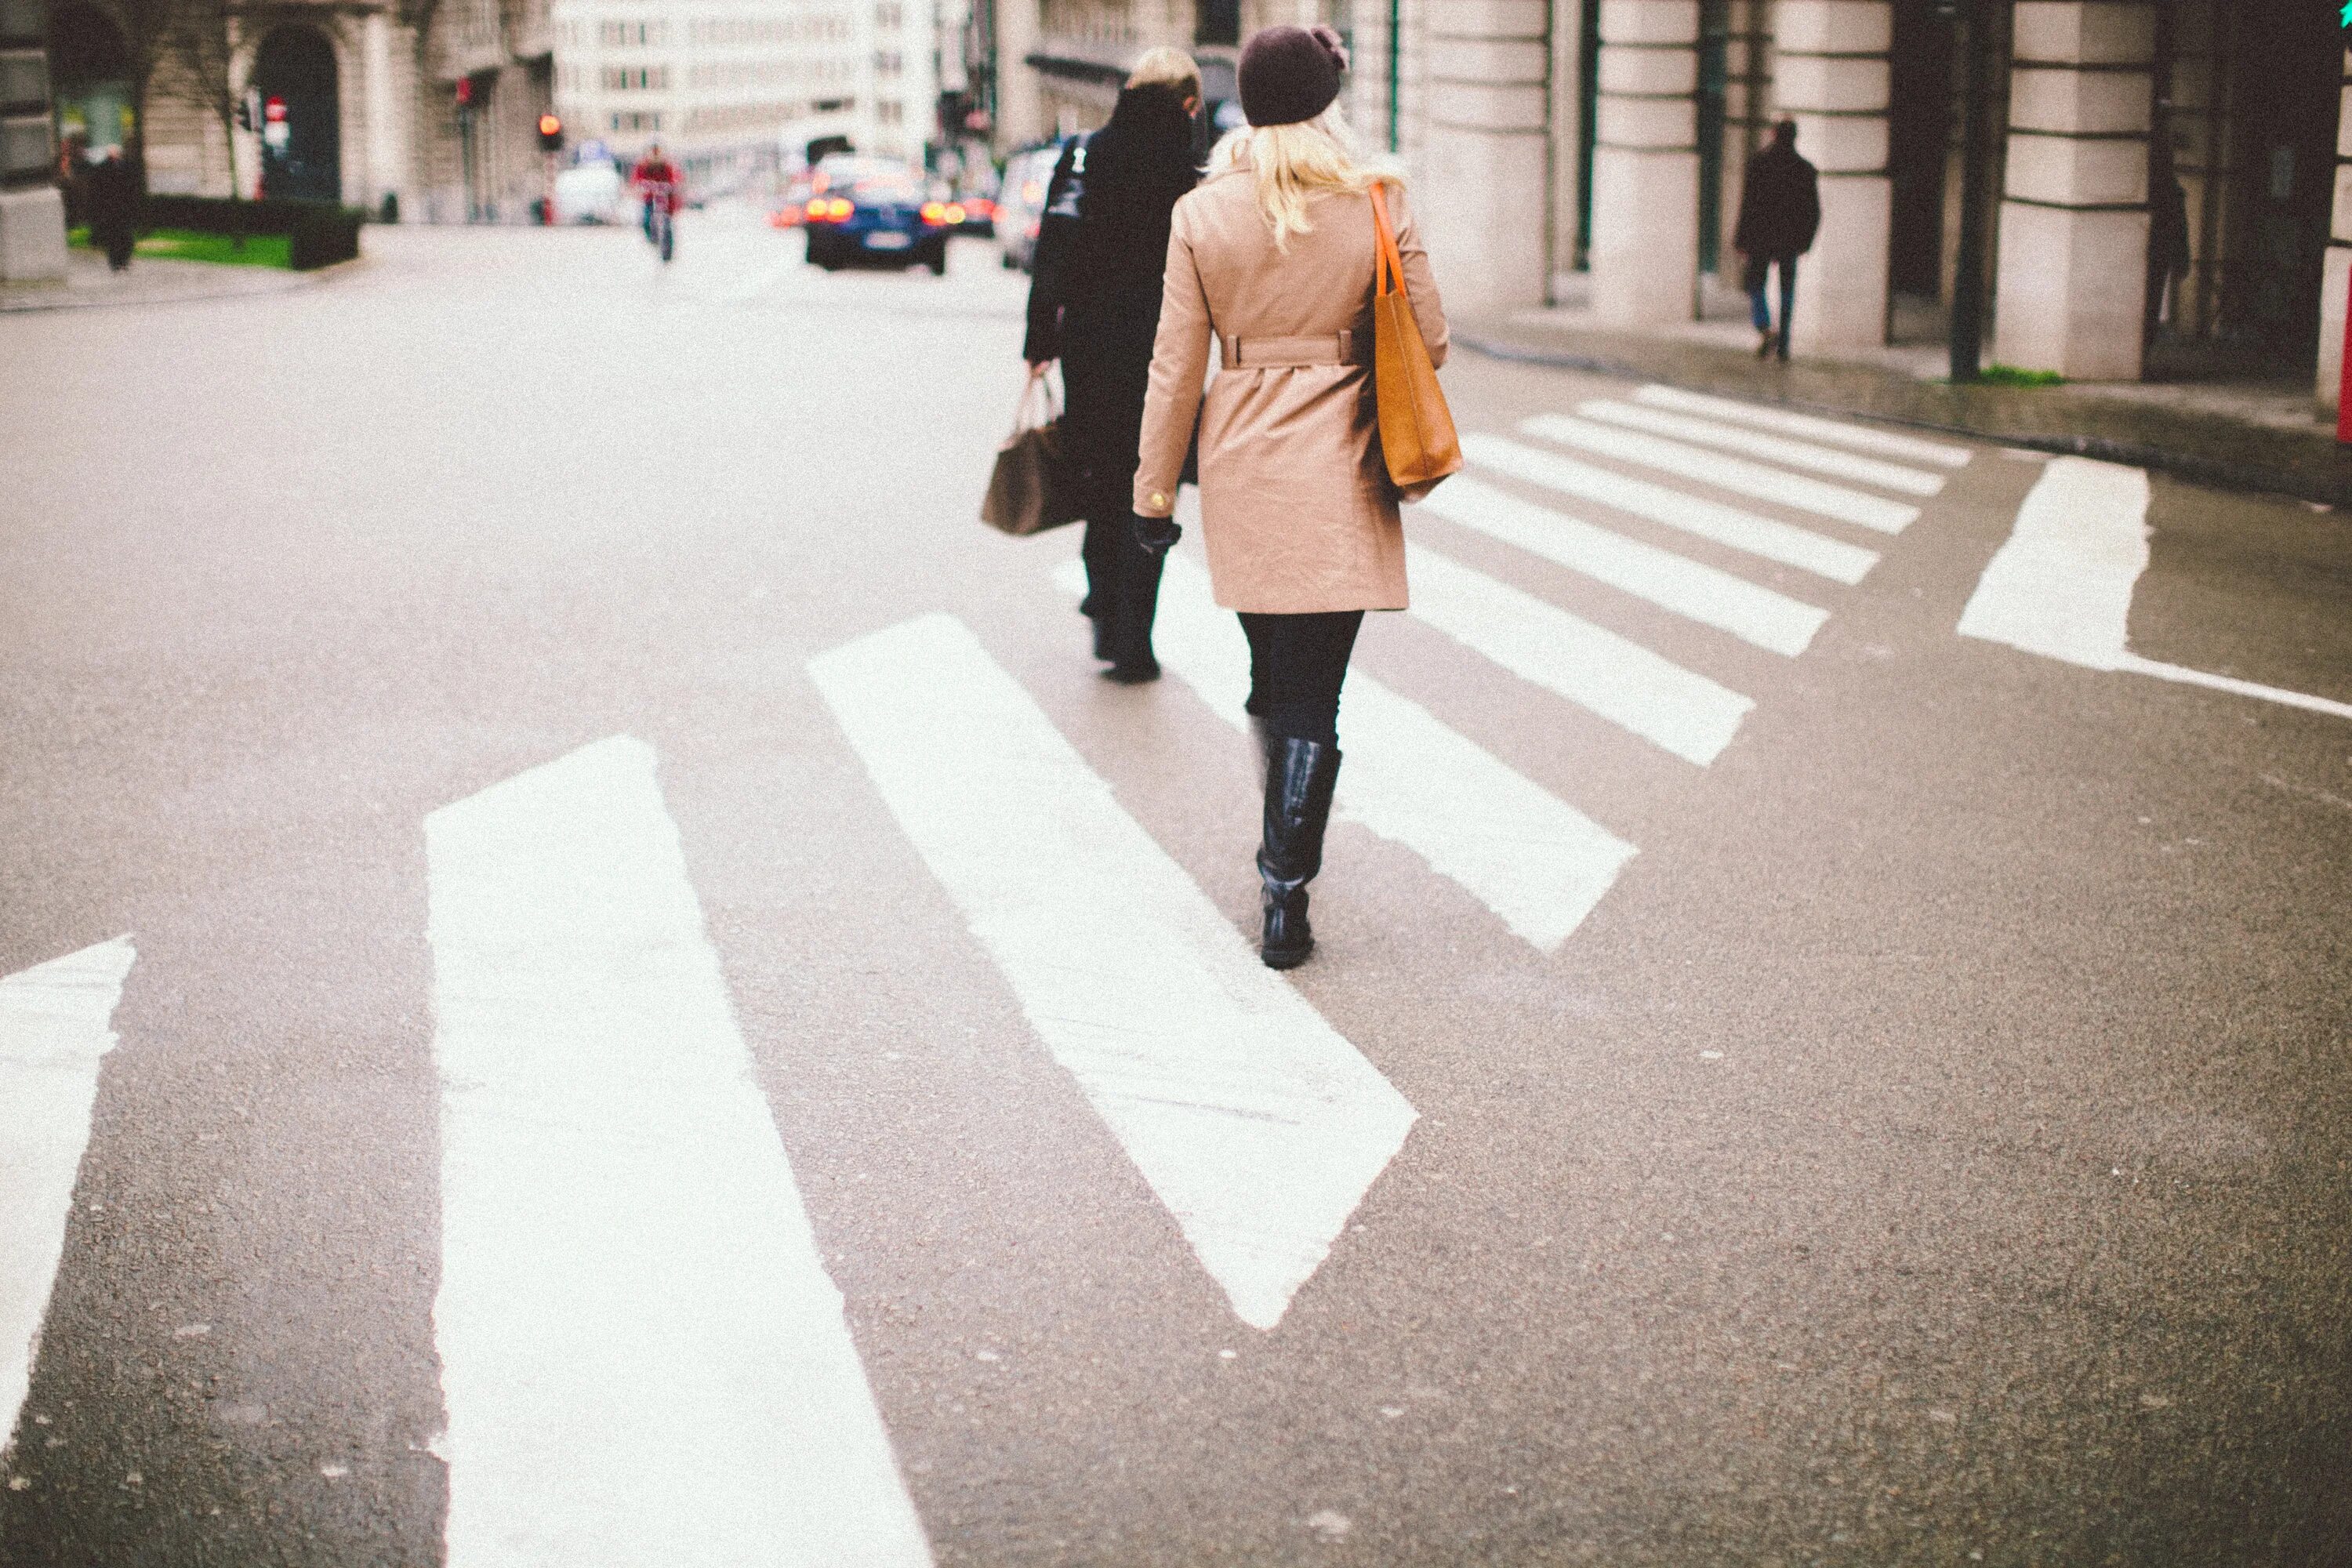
{"x": 791, "y": 207}
{"x": 979, "y": 218}
{"x": 1021, "y": 202}
{"x": 868, "y": 210}
{"x": 593, "y": 193}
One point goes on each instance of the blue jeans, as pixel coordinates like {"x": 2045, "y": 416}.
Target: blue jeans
{"x": 1760, "y": 314}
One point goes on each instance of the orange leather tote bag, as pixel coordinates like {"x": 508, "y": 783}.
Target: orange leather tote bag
{"x": 1416, "y": 427}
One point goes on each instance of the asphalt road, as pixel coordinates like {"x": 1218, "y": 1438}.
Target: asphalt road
{"x": 1932, "y": 1144}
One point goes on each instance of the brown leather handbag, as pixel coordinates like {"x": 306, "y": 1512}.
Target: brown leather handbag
{"x": 1416, "y": 427}
{"x": 1030, "y": 490}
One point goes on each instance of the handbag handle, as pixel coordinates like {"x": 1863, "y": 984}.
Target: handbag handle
{"x": 1037, "y": 390}
{"x": 1388, "y": 262}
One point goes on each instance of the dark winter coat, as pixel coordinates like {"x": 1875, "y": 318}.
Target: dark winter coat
{"x": 1779, "y": 206}
{"x": 111, "y": 198}
{"x": 1102, "y": 252}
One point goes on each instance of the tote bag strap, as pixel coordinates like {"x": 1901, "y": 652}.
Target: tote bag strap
{"x": 1388, "y": 262}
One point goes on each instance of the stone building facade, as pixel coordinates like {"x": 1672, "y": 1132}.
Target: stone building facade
{"x": 426, "y": 109}
{"x": 1592, "y": 149}
{"x": 1060, "y": 63}
{"x": 726, "y": 84}
{"x": 32, "y": 215}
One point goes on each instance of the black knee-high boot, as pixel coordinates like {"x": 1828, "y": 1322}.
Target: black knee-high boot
{"x": 1127, "y": 628}
{"x": 1300, "y": 775}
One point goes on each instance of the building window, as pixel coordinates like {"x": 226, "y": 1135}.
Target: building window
{"x": 888, "y": 62}
{"x": 889, "y": 111}
{"x": 890, "y": 13}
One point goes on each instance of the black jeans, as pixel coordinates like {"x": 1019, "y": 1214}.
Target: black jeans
{"x": 1296, "y": 666}
{"x": 1758, "y": 311}
{"x": 1122, "y": 587}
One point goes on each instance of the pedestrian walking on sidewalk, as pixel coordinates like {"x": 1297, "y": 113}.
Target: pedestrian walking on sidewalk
{"x": 1780, "y": 213}
{"x": 110, "y": 196}
{"x": 1102, "y": 247}
{"x": 1274, "y": 254}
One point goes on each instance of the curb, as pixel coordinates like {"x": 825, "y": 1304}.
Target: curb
{"x": 64, "y": 297}
{"x": 2219, "y": 473}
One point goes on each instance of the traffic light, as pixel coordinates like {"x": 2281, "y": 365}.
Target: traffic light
{"x": 550, "y": 133}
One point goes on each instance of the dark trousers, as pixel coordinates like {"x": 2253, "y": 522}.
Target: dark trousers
{"x": 1296, "y": 666}
{"x": 1122, "y": 587}
{"x": 1761, "y": 313}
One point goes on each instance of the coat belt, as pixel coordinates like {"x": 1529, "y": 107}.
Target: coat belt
{"x": 1285, "y": 354}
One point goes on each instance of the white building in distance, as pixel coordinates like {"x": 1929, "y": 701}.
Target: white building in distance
{"x": 730, "y": 86}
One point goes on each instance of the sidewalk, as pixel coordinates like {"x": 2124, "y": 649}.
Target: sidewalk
{"x": 149, "y": 281}
{"x": 2262, "y": 435}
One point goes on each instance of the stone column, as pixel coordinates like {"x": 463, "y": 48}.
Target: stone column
{"x": 1644, "y": 244}
{"x": 32, "y": 214}
{"x": 1486, "y": 161}
{"x": 1830, "y": 75}
{"x": 2337, "y": 275}
{"x": 2073, "y": 215}
{"x": 1019, "y": 104}
{"x": 387, "y": 164}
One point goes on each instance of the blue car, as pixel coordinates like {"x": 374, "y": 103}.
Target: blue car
{"x": 867, "y": 211}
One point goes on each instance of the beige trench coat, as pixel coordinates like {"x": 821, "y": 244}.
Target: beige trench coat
{"x": 1296, "y": 508}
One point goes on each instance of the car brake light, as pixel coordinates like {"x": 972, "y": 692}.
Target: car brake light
{"x": 955, "y": 212}
{"x": 934, "y": 212}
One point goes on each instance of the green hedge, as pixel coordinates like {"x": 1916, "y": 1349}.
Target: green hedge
{"x": 318, "y": 234}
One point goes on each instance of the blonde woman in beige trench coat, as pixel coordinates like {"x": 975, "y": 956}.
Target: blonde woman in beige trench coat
{"x": 1272, "y": 256}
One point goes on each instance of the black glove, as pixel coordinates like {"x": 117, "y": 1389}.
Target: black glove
{"x": 1156, "y": 535}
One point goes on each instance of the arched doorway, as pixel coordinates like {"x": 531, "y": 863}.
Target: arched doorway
{"x": 90, "y": 85}
{"x": 301, "y": 134}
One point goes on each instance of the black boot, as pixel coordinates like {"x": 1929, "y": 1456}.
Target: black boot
{"x": 1298, "y": 779}
{"x": 1126, "y": 630}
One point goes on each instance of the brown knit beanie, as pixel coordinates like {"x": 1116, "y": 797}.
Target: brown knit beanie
{"x": 1289, "y": 74}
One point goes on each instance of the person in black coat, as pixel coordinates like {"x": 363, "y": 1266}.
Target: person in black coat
{"x": 1102, "y": 252}
{"x": 1779, "y": 214}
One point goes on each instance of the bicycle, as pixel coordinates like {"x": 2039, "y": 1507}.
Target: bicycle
{"x": 660, "y": 224}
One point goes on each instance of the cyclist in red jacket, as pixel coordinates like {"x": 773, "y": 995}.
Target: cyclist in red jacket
{"x": 658, "y": 179}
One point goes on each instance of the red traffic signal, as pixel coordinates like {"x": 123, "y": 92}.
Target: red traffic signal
{"x": 550, "y": 133}
{"x": 274, "y": 110}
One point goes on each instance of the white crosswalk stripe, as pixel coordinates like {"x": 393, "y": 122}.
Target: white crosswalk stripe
{"x": 1671, "y": 707}
{"x": 642, "y": 1357}
{"x": 1700, "y": 593}
{"x": 1737, "y": 475}
{"x": 1256, "y": 1124}
{"x": 1782, "y": 449}
{"x": 1860, "y": 437}
{"x": 55, "y": 1026}
{"x": 1534, "y": 860}
{"x": 1769, "y": 538}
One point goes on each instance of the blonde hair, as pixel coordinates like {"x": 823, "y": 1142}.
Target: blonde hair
{"x": 1295, "y": 163}
{"x": 1166, "y": 67}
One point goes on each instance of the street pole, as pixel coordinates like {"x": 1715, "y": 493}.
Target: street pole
{"x": 1976, "y": 186}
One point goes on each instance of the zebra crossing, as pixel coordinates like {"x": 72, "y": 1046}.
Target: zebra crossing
{"x": 621, "y": 1227}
